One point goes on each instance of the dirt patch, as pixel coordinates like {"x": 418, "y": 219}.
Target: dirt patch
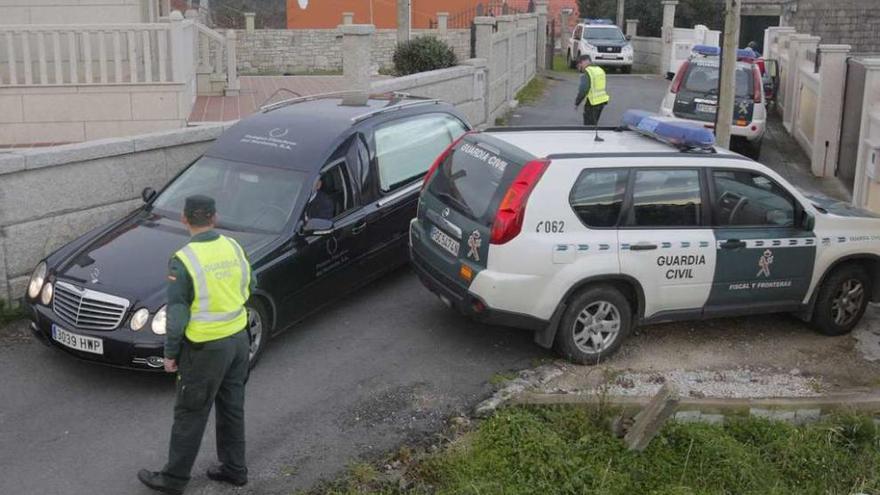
{"x": 765, "y": 356}
{"x": 15, "y": 332}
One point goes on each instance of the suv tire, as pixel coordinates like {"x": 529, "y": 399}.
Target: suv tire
{"x": 572, "y": 61}
{"x": 842, "y": 300}
{"x": 626, "y": 69}
{"x": 597, "y": 312}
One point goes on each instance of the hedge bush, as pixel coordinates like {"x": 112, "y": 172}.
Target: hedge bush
{"x": 422, "y": 54}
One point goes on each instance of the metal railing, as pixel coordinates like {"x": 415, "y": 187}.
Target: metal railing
{"x": 493, "y": 8}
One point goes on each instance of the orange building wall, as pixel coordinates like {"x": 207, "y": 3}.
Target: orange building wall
{"x": 326, "y": 14}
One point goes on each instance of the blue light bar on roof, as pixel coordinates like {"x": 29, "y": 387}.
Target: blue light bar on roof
{"x": 670, "y": 130}
{"x": 745, "y": 53}
{"x": 706, "y": 50}
{"x": 608, "y": 22}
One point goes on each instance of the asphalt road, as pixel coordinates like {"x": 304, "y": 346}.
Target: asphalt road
{"x": 644, "y": 92}
{"x": 385, "y": 366}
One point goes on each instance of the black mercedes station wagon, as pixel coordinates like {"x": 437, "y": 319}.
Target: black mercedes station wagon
{"x": 319, "y": 192}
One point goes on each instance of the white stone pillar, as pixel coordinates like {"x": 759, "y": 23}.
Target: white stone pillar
{"x": 485, "y": 29}
{"x": 348, "y": 18}
{"x": 832, "y": 84}
{"x": 866, "y": 189}
{"x": 178, "y": 70}
{"x": 356, "y": 56}
{"x": 632, "y": 27}
{"x": 797, "y": 49}
{"x": 668, "y": 34}
{"x": 507, "y": 25}
{"x": 771, "y": 40}
{"x": 442, "y": 21}
{"x": 564, "y": 31}
{"x": 250, "y": 21}
{"x": 403, "y": 20}
{"x": 481, "y": 88}
{"x": 232, "y": 83}
{"x": 541, "y": 11}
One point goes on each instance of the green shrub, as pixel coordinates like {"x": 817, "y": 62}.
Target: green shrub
{"x": 422, "y": 54}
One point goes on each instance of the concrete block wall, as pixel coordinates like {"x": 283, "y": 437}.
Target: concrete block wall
{"x": 278, "y": 51}
{"x": 68, "y": 114}
{"x": 70, "y": 11}
{"x": 50, "y": 196}
{"x": 647, "y": 53}
{"x": 508, "y": 43}
{"x": 463, "y": 86}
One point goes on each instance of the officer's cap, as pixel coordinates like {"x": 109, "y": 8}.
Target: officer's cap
{"x": 199, "y": 207}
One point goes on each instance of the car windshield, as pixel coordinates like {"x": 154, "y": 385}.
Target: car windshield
{"x": 703, "y": 79}
{"x": 603, "y": 34}
{"x": 250, "y": 198}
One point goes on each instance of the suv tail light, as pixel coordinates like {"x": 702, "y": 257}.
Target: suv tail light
{"x": 441, "y": 158}
{"x": 757, "y": 84}
{"x": 679, "y": 77}
{"x": 512, "y": 210}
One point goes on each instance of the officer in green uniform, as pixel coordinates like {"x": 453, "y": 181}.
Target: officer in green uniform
{"x": 209, "y": 282}
{"x": 591, "y": 90}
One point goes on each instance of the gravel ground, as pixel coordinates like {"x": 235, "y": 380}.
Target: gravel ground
{"x": 749, "y": 357}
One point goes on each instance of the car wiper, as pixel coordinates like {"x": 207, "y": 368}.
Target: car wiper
{"x": 457, "y": 202}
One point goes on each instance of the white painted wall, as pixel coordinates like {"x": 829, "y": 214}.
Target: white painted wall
{"x": 71, "y": 11}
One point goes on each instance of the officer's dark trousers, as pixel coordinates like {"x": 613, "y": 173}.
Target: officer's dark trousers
{"x": 209, "y": 373}
{"x": 592, "y": 113}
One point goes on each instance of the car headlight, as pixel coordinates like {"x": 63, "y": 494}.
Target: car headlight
{"x": 139, "y": 319}
{"x": 628, "y": 50}
{"x": 158, "y": 325}
{"x": 37, "y": 280}
{"x": 46, "y": 294}
{"x": 588, "y": 47}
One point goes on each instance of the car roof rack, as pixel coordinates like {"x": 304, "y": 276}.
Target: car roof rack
{"x": 397, "y": 104}
{"x": 300, "y": 98}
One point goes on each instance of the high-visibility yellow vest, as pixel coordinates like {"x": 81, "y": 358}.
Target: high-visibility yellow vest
{"x": 597, "y": 94}
{"x": 221, "y": 285}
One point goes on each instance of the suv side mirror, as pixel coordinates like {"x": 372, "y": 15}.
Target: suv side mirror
{"x": 808, "y": 222}
{"x": 318, "y": 226}
{"x": 148, "y": 194}
{"x": 628, "y": 37}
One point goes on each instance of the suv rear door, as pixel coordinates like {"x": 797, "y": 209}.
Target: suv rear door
{"x": 459, "y": 205}
{"x": 697, "y": 92}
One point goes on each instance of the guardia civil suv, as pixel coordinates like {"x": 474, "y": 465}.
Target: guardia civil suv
{"x": 580, "y": 240}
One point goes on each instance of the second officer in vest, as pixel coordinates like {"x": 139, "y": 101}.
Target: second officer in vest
{"x": 209, "y": 282}
{"x": 591, "y": 90}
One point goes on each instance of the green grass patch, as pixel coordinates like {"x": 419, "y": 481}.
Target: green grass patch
{"x": 533, "y": 91}
{"x": 566, "y": 450}
{"x": 560, "y": 65}
{"x": 9, "y": 314}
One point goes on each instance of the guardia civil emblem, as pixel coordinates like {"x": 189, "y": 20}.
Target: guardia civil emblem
{"x": 764, "y": 263}
{"x": 474, "y": 242}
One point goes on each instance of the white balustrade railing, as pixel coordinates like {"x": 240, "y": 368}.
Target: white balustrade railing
{"x": 80, "y": 54}
{"x": 101, "y": 54}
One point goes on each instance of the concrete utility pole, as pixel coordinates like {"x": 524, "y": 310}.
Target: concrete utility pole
{"x": 727, "y": 91}
{"x": 403, "y": 20}
{"x": 621, "y": 21}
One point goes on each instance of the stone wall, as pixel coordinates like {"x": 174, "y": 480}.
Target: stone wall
{"x": 50, "y": 196}
{"x": 69, "y": 114}
{"x": 852, "y": 22}
{"x": 647, "y": 53}
{"x": 278, "y": 51}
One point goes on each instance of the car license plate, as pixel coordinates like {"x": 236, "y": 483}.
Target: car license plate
{"x": 77, "y": 342}
{"x": 446, "y": 242}
{"x": 706, "y": 108}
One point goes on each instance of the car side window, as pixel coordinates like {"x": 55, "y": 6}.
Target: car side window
{"x": 746, "y": 198}
{"x": 597, "y": 196}
{"x": 666, "y": 198}
{"x": 332, "y": 195}
{"x": 406, "y": 148}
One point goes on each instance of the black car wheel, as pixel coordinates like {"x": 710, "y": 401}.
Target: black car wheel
{"x": 594, "y": 325}
{"x": 842, "y": 300}
{"x": 258, "y": 330}
{"x": 749, "y": 149}
{"x": 626, "y": 69}
{"x": 572, "y": 61}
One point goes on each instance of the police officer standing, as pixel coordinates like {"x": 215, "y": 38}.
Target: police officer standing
{"x": 591, "y": 90}
{"x": 209, "y": 282}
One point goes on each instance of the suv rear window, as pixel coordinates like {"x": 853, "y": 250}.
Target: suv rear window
{"x": 702, "y": 78}
{"x": 476, "y": 174}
